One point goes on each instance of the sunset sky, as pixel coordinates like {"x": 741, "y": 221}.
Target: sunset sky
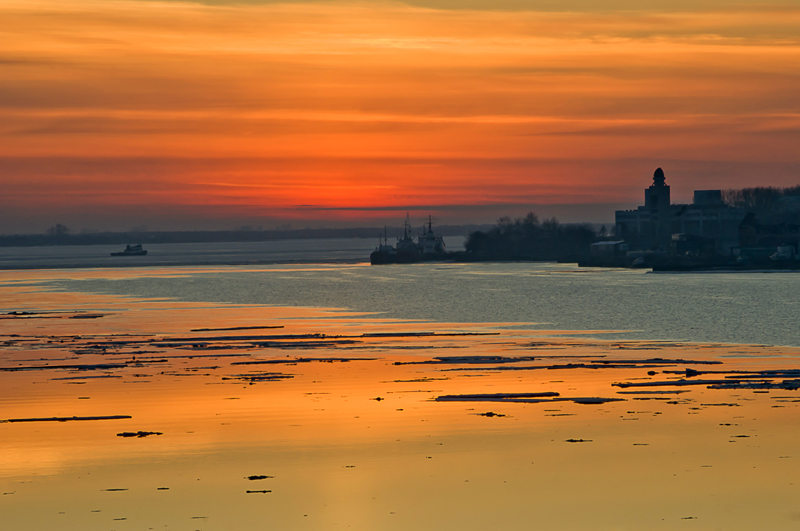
{"x": 179, "y": 115}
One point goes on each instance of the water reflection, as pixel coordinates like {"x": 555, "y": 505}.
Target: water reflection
{"x": 339, "y": 410}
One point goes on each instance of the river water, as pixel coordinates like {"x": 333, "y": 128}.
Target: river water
{"x": 339, "y": 395}
{"x": 750, "y": 308}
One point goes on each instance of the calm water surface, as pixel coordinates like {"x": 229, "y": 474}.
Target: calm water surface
{"x": 327, "y": 250}
{"x": 750, "y": 308}
{"x": 339, "y": 418}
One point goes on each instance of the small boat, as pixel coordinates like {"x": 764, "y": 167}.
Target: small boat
{"x": 131, "y": 250}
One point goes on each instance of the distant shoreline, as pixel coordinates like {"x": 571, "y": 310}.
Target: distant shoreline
{"x": 127, "y": 265}
{"x": 760, "y": 270}
{"x": 222, "y": 236}
{"x": 202, "y": 254}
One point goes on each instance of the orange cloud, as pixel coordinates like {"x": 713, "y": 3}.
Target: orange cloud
{"x": 326, "y": 110}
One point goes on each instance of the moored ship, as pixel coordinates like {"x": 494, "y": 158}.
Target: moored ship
{"x": 428, "y": 247}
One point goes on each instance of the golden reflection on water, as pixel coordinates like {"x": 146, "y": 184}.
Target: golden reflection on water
{"x": 362, "y": 443}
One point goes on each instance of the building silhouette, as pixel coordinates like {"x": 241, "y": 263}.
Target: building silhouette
{"x": 706, "y": 225}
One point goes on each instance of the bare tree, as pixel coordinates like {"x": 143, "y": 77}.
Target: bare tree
{"x": 58, "y": 230}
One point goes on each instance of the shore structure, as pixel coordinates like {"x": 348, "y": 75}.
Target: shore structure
{"x": 709, "y": 234}
{"x": 706, "y": 225}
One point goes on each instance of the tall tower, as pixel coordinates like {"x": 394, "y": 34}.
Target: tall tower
{"x": 657, "y": 196}
{"x": 657, "y": 201}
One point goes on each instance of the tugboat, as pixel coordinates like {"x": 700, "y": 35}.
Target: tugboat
{"x": 429, "y": 246}
{"x": 407, "y": 250}
{"x": 131, "y": 250}
{"x": 383, "y": 253}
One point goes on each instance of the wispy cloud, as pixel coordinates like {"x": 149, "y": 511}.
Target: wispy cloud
{"x": 351, "y": 106}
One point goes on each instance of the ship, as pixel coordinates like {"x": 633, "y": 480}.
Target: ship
{"x": 131, "y": 250}
{"x": 429, "y": 246}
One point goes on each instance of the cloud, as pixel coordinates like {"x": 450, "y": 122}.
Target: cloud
{"x": 375, "y": 105}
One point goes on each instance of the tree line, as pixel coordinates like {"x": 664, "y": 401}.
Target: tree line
{"x": 530, "y": 239}
{"x": 770, "y": 204}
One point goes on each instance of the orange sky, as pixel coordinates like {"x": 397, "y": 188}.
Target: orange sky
{"x": 179, "y": 115}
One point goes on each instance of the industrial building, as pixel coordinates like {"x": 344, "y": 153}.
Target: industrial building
{"x": 659, "y": 225}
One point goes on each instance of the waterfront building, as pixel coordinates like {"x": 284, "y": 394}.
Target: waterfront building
{"x": 652, "y": 225}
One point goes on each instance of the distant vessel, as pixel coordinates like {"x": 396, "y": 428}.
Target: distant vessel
{"x": 383, "y": 253}
{"x": 429, "y": 246}
{"x": 131, "y": 250}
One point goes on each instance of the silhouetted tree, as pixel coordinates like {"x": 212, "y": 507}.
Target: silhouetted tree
{"x": 505, "y": 224}
{"x": 528, "y": 239}
{"x": 773, "y": 205}
{"x": 531, "y": 220}
{"x": 58, "y": 234}
{"x": 58, "y": 230}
